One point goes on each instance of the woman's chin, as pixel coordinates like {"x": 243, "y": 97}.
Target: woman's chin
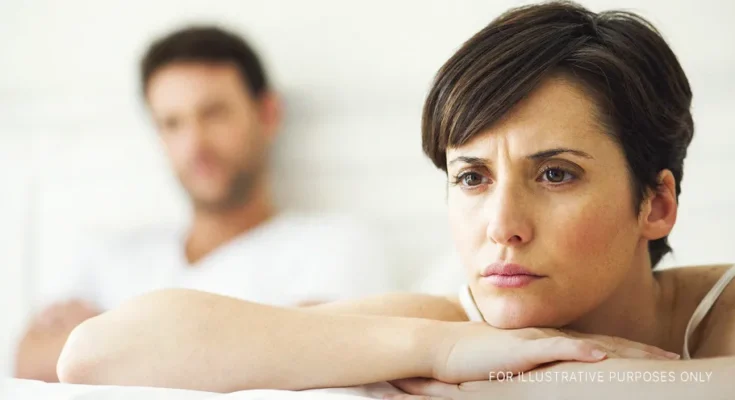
{"x": 510, "y": 322}
{"x": 515, "y": 313}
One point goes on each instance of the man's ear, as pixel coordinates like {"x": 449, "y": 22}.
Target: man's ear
{"x": 659, "y": 208}
{"x": 270, "y": 113}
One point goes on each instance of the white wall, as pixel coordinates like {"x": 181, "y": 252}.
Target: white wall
{"x": 77, "y": 153}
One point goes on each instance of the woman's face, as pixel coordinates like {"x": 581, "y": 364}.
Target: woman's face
{"x": 541, "y": 211}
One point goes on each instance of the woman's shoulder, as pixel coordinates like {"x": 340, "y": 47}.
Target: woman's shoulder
{"x": 695, "y": 270}
{"x": 691, "y": 283}
{"x": 692, "y": 280}
{"x": 696, "y": 285}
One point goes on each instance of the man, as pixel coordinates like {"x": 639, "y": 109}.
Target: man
{"x": 217, "y": 118}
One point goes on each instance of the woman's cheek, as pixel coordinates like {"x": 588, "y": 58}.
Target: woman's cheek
{"x": 468, "y": 229}
{"x": 592, "y": 233}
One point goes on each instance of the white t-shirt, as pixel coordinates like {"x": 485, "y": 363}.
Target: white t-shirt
{"x": 287, "y": 260}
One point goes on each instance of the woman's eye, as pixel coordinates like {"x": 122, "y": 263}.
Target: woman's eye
{"x": 556, "y": 175}
{"x": 471, "y": 179}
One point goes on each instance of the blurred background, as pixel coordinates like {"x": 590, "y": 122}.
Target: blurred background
{"x": 79, "y": 155}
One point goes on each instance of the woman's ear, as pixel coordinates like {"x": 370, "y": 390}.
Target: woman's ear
{"x": 660, "y": 208}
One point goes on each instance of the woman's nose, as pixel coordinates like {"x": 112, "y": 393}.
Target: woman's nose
{"x": 509, "y": 223}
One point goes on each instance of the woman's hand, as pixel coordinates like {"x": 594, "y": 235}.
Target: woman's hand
{"x": 470, "y": 351}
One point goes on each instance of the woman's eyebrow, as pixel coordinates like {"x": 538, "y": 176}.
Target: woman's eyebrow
{"x": 542, "y": 155}
{"x": 470, "y": 160}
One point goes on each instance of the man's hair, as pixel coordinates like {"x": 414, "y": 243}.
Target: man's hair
{"x": 207, "y": 44}
{"x": 641, "y": 92}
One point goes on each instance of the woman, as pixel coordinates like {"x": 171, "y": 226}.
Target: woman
{"x": 563, "y": 134}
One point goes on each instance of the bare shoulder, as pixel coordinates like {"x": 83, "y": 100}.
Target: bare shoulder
{"x": 704, "y": 274}
{"x": 716, "y": 334}
{"x": 691, "y": 283}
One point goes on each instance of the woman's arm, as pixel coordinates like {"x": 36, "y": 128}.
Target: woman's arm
{"x": 612, "y": 379}
{"x": 194, "y": 340}
{"x": 408, "y": 305}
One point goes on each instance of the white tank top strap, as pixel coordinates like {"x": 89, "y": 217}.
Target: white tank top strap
{"x": 469, "y": 305}
{"x": 704, "y": 306}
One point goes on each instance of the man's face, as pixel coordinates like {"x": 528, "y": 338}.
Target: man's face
{"x": 215, "y": 133}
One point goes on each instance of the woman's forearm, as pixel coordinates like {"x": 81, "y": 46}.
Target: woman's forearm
{"x": 410, "y": 305}
{"x": 194, "y": 340}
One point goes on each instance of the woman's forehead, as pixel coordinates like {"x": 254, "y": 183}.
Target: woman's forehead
{"x": 557, "y": 114}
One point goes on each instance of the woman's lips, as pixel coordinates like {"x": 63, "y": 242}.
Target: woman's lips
{"x": 510, "y": 281}
{"x": 507, "y": 275}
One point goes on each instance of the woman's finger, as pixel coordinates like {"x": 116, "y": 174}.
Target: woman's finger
{"x": 622, "y": 348}
{"x": 563, "y": 348}
{"x": 625, "y": 348}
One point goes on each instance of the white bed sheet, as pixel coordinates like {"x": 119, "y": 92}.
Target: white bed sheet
{"x": 20, "y": 389}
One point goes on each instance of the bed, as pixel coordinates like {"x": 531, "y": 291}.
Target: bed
{"x": 20, "y": 389}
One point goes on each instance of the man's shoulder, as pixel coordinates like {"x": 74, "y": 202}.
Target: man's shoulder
{"x": 339, "y": 255}
{"x": 150, "y": 234}
{"x": 330, "y": 240}
{"x": 321, "y": 226}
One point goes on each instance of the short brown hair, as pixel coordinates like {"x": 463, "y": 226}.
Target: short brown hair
{"x": 207, "y": 44}
{"x": 642, "y": 93}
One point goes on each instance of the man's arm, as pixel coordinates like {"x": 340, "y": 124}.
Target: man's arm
{"x": 67, "y": 295}
{"x": 39, "y": 349}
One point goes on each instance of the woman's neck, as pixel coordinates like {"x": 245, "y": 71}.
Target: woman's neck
{"x": 640, "y": 309}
